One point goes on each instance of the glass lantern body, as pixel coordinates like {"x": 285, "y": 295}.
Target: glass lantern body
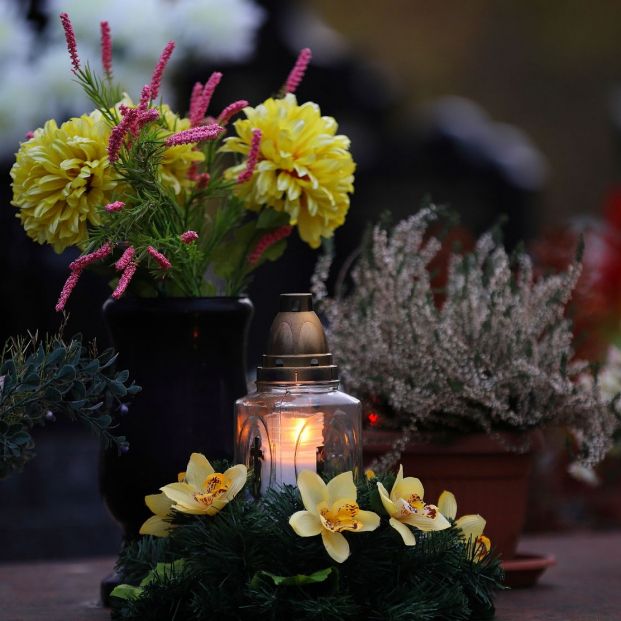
{"x": 283, "y": 429}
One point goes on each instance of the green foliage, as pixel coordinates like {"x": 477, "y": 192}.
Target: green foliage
{"x": 247, "y": 562}
{"x": 40, "y": 379}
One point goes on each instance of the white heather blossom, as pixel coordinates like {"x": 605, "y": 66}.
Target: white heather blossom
{"x": 212, "y": 30}
{"x": 19, "y": 110}
{"x": 492, "y": 355}
{"x": 15, "y": 34}
{"x": 207, "y": 29}
{"x": 217, "y": 29}
{"x": 140, "y": 28}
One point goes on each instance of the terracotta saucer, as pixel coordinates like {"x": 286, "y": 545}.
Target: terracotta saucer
{"x": 525, "y": 569}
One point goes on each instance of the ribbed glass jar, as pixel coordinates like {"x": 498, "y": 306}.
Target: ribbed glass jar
{"x": 283, "y": 429}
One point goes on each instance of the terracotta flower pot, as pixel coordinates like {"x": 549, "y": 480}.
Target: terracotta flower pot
{"x": 484, "y": 475}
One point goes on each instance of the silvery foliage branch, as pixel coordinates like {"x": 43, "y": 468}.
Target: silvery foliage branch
{"x": 492, "y": 354}
{"x": 40, "y": 379}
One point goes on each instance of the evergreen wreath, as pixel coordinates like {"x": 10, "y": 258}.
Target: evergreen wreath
{"x": 246, "y": 562}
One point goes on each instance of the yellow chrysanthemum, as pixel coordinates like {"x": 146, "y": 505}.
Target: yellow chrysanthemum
{"x": 304, "y": 168}
{"x": 61, "y": 177}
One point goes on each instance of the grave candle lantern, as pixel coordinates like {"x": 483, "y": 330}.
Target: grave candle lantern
{"x": 298, "y": 419}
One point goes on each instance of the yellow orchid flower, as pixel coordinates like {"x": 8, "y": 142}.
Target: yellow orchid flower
{"x": 157, "y": 525}
{"x": 330, "y": 510}
{"x": 203, "y": 490}
{"x": 406, "y": 508}
{"x": 472, "y": 526}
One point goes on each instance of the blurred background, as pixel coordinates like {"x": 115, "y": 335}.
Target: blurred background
{"x": 495, "y": 108}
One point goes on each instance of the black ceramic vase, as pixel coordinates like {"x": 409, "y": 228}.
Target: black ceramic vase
{"x": 189, "y": 356}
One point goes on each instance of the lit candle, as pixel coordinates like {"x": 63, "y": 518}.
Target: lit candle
{"x": 295, "y": 440}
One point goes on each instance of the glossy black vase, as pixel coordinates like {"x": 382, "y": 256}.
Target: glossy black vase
{"x": 189, "y": 356}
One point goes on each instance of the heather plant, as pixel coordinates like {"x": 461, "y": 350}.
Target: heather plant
{"x": 492, "y": 351}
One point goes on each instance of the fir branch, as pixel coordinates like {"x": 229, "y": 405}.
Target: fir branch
{"x": 227, "y": 561}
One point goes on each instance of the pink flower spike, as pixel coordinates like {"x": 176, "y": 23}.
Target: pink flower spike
{"x": 156, "y": 78}
{"x": 116, "y": 206}
{"x": 86, "y": 259}
{"x": 231, "y": 110}
{"x": 124, "y": 280}
{"x": 195, "y": 98}
{"x": 298, "y": 71}
{"x": 146, "y": 116}
{"x": 106, "y": 49}
{"x": 188, "y": 237}
{"x": 202, "y": 180}
{"x": 72, "y": 46}
{"x": 125, "y": 259}
{"x": 68, "y": 287}
{"x": 268, "y": 240}
{"x": 194, "y": 134}
{"x": 159, "y": 257}
{"x": 253, "y": 157}
{"x": 145, "y": 98}
{"x": 200, "y": 110}
{"x": 118, "y": 133}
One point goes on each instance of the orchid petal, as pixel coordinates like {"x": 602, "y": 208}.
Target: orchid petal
{"x": 389, "y": 505}
{"x": 471, "y": 526}
{"x": 447, "y": 505}
{"x": 182, "y": 494}
{"x": 155, "y": 526}
{"x": 159, "y": 504}
{"x": 342, "y": 486}
{"x": 312, "y": 489}
{"x": 305, "y": 524}
{"x": 198, "y": 470}
{"x": 425, "y": 522}
{"x": 406, "y": 488}
{"x": 238, "y": 475}
{"x": 368, "y": 519}
{"x": 406, "y": 534}
{"x": 336, "y": 545}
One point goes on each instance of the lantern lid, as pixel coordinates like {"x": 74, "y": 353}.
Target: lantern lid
{"x": 297, "y": 348}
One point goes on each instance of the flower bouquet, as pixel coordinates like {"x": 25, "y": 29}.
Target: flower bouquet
{"x": 168, "y": 205}
{"x": 339, "y": 549}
